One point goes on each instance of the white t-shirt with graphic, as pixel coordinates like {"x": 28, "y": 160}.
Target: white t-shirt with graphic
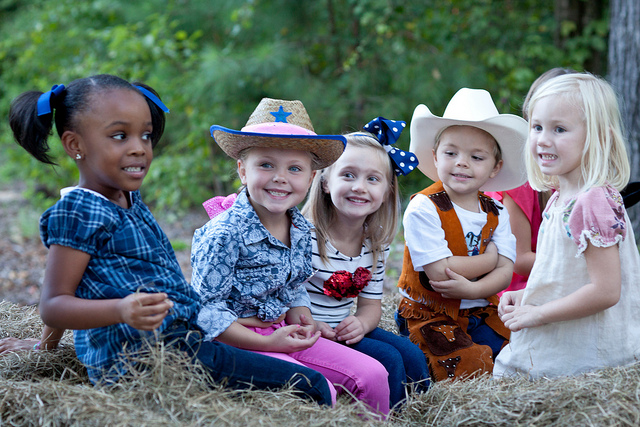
{"x": 424, "y": 235}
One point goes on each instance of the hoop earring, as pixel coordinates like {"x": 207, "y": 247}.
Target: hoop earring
{"x": 78, "y": 156}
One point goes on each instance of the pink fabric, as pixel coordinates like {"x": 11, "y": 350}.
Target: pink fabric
{"x": 362, "y": 376}
{"x": 527, "y": 199}
{"x": 596, "y": 217}
{"x": 277, "y": 128}
{"x": 216, "y": 205}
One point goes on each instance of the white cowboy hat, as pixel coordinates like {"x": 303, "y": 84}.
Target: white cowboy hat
{"x": 277, "y": 123}
{"x": 473, "y": 107}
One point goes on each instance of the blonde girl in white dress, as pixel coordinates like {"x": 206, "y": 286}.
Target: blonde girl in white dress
{"x": 578, "y": 311}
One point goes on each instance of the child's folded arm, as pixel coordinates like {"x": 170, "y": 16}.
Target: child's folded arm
{"x": 458, "y": 287}
{"x": 469, "y": 267}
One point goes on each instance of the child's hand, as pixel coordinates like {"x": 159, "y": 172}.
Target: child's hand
{"x": 13, "y": 345}
{"x": 457, "y": 287}
{"x": 144, "y": 311}
{"x": 307, "y": 327}
{"x": 289, "y": 340}
{"x": 523, "y": 316}
{"x": 326, "y": 331}
{"x": 509, "y": 299}
{"x": 350, "y": 330}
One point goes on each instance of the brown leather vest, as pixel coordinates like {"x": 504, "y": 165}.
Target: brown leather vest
{"x": 416, "y": 284}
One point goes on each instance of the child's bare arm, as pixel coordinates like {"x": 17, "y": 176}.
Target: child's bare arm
{"x": 469, "y": 267}
{"x": 457, "y": 286}
{"x": 603, "y": 265}
{"x": 61, "y": 309}
{"x": 282, "y": 340}
{"x": 50, "y": 338}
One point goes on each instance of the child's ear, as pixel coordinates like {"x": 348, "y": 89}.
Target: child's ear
{"x": 435, "y": 158}
{"x": 496, "y": 168}
{"x": 242, "y": 172}
{"x": 323, "y": 184}
{"x": 72, "y": 144}
{"x": 313, "y": 175}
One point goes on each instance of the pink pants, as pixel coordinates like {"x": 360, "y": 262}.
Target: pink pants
{"x": 361, "y": 375}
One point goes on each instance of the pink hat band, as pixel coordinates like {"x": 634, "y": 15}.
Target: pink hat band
{"x": 278, "y": 128}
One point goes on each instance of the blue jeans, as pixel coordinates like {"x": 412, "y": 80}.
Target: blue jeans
{"x": 403, "y": 360}
{"x": 242, "y": 369}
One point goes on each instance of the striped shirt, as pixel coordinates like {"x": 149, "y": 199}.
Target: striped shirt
{"x": 329, "y": 309}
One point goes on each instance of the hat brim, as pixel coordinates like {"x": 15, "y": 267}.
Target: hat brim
{"x": 325, "y": 148}
{"x": 510, "y": 131}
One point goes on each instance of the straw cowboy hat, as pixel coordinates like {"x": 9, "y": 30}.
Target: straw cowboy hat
{"x": 473, "y": 107}
{"x": 277, "y": 123}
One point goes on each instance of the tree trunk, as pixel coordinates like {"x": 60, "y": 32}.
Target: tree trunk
{"x": 580, "y": 13}
{"x": 624, "y": 75}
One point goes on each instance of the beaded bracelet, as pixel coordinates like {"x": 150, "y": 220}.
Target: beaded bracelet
{"x": 36, "y": 346}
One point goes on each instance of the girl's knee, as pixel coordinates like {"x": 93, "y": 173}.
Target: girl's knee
{"x": 374, "y": 371}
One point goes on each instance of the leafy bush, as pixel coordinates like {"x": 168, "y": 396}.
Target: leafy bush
{"x": 212, "y": 62}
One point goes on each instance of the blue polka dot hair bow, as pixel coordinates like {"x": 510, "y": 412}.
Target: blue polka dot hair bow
{"x": 388, "y": 132}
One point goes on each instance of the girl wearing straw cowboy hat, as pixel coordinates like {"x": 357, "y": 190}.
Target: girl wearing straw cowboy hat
{"x": 251, "y": 260}
{"x": 450, "y": 301}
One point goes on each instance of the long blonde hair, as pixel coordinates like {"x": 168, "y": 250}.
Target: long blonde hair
{"x": 604, "y": 157}
{"x": 379, "y": 227}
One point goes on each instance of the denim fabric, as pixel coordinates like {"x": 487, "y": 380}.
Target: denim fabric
{"x": 403, "y": 360}
{"x": 242, "y": 369}
{"x": 401, "y": 323}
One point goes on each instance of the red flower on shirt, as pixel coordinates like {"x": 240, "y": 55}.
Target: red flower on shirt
{"x": 343, "y": 284}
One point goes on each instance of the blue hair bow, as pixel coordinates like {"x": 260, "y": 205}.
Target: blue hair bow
{"x": 388, "y": 132}
{"x": 153, "y": 98}
{"x": 44, "y": 101}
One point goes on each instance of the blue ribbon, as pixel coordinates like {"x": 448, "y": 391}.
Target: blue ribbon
{"x": 153, "y": 98}
{"x": 388, "y": 132}
{"x": 44, "y": 101}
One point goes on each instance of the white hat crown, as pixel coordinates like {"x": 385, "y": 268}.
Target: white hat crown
{"x": 474, "y": 105}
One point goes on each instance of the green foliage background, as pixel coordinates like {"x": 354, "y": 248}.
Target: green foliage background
{"x": 212, "y": 61}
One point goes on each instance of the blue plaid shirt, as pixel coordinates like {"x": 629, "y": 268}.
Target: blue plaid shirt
{"x": 129, "y": 252}
{"x": 241, "y": 270}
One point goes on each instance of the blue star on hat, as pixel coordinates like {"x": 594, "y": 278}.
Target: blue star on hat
{"x": 280, "y": 115}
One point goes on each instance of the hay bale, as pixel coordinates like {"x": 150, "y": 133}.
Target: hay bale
{"x": 164, "y": 388}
